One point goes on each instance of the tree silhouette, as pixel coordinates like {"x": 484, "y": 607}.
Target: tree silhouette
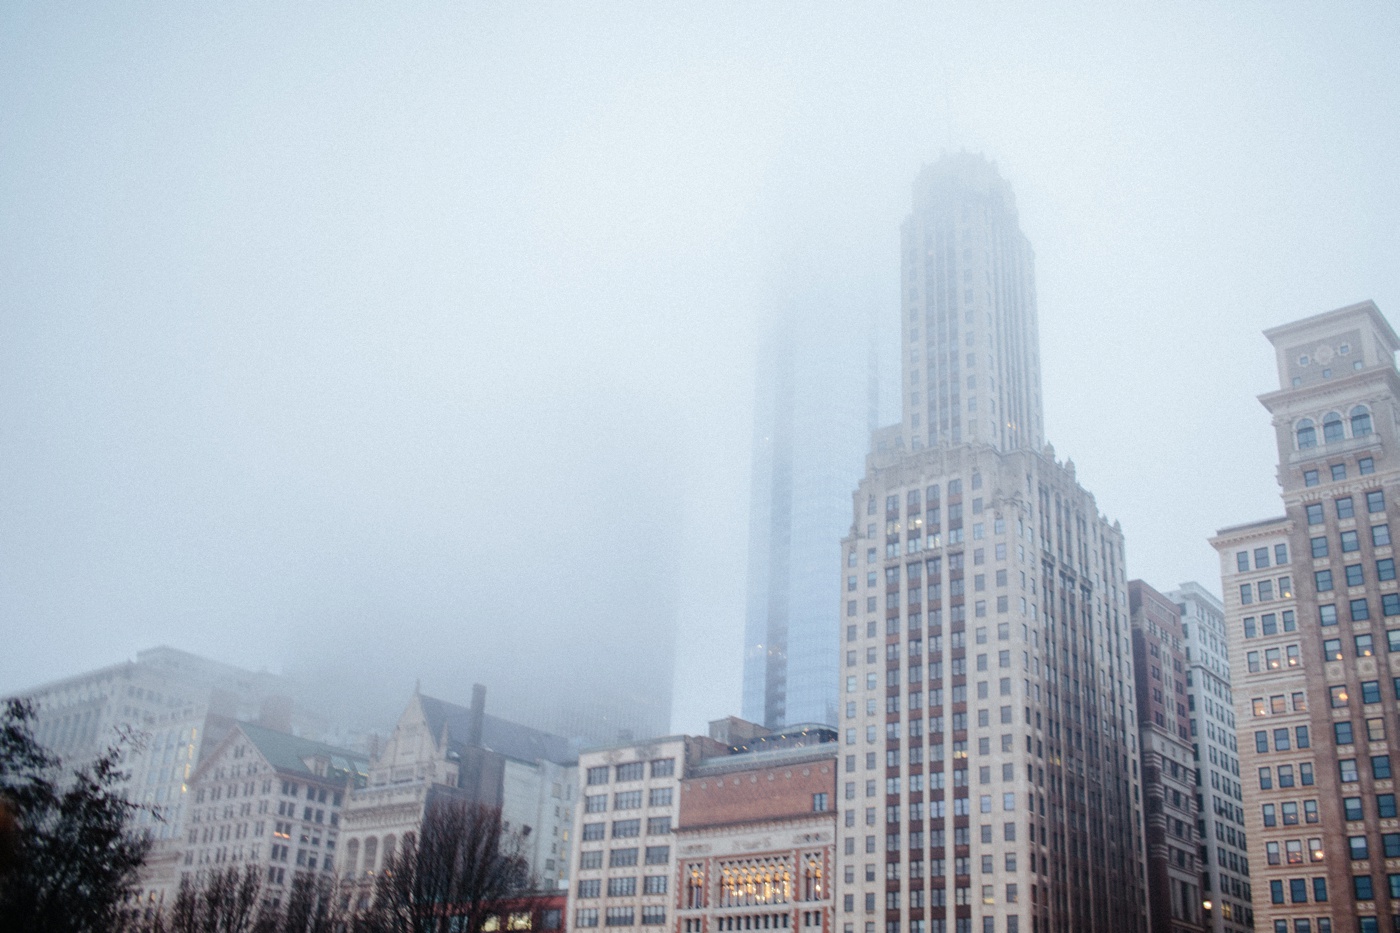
{"x": 462, "y": 862}
{"x": 73, "y": 858}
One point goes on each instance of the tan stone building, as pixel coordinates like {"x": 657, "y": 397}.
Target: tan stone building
{"x": 1309, "y": 601}
{"x": 270, "y": 800}
{"x": 989, "y": 764}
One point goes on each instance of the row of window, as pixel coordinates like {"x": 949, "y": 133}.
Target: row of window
{"x": 1298, "y": 890}
{"x": 625, "y": 858}
{"x": 1264, "y": 589}
{"x": 1285, "y": 774}
{"x": 1273, "y": 659}
{"x": 1333, "y": 427}
{"x": 1289, "y": 811}
{"x": 622, "y": 887}
{"x": 1350, "y": 541}
{"x": 628, "y": 800}
{"x": 652, "y": 916}
{"x": 1284, "y": 739}
{"x": 1261, "y": 557}
{"x": 1345, "y": 507}
{"x": 1354, "y": 575}
{"x": 632, "y": 771}
{"x": 1305, "y": 925}
{"x": 1338, "y": 471}
{"x": 1293, "y": 850}
{"x": 628, "y": 829}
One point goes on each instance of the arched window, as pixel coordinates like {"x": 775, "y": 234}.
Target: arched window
{"x": 371, "y": 854}
{"x": 1307, "y": 434}
{"x": 1332, "y": 428}
{"x": 352, "y": 857}
{"x": 1360, "y": 421}
{"x": 388, "y": 849}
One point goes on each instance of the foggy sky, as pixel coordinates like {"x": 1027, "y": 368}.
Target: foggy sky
{"x": 418, "y": 340}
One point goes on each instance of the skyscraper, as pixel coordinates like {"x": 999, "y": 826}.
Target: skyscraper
{"x": 813, "y": 413}
{"x": 1313, "y": 615}
{"x": 989, "y": 769}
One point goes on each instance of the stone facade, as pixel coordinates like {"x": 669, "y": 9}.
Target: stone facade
{"x": 1310, "y": 598}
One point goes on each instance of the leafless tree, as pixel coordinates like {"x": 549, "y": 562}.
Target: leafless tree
{"x": 227, "y": 901}
{"x": 462, "y": 862}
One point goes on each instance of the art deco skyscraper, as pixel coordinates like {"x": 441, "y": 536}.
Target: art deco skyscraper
{"x": 1312, "y": 610}
{"x": 989, "y": 769}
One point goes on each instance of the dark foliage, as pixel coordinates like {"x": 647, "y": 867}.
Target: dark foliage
{"x": 74, "y": 857}
{"x": 461, "y": 863}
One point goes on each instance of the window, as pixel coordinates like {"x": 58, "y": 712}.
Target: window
{"x": 1246, "y": 594}
{"x": 1380, "y": 535}
{"x": 1362, "y": 886}
{"x": 1347, "y": 771}
{"x": 1266, "y": 779}
{"x": 1327, "y": 615}
{"x": 1339, "y": 696}
{"x": 1322, "y": 579}
{"x": 1343, "y": 733}
{"x": 590, "y": 859}
{"x": 1344, "y": 507}
{"x": 1380, "y": 767}
{"x": 622, "y": 858}
{"x": 1332, "y": 651}
{"x": 1270, "y": 814}
{"x": 1365, "y": 466}
{"x": 661, "y": 796}
{"x": 1354, "y": 575}
{"x": 1390, "y": 844}
{"x": 658, "y": 825}
{"x": 592, "y": 832}
{"x": 1249, "y": 629}
{"x": 658, "y": 855}
{"x": 1307, "y": 434}
{"x": 1390, "y": 604}
{"x": 1365, "y": 646}
{"x": 1360, "y": 610}
{"x": 1285, "y": 775}
{"x": 627, "y": 800}
{"x": 820, "y": 803}
{"x": 1301, "y": 732}
{"x": 1375, "y": 501}
{"x": 1280, "y": 554}
{"x": 598, "y": 775}
{"x": 586, "y": 917}
{"x": 1385, "y": 806}
{"x": 1339, "y": 471}
{"x": 1261, "y": 743}
{"x": 1332, "y": 427}
{"x": 1276, "y": 891}
{"x": 654, "y": 915}
{"x": 1385, "y": 569}
{"x": 1310, "y": 478}
{"x": 1242, "y": 561}
{"x": 1319, "y": 546}
{"x": 621, "y": 887}
{"x": 1351, "y": 809}
{"x": 1350, "y": 542}
{"x": 626, "y": 829}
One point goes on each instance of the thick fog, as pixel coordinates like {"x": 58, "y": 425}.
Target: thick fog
{"x": 418, "y": 340}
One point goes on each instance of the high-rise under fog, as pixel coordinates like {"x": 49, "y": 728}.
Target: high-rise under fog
{"x": 813, "y": 413}
{"x": 989, "y": 773}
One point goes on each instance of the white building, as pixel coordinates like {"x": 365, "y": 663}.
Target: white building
{"x": 1219, "y": 792}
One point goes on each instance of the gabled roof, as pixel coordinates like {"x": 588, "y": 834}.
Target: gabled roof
{"x": 288, "y": 754}
{"x": 506, "y": 738}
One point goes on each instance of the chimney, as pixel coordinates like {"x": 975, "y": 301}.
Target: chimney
{"x": 478, "y": 716}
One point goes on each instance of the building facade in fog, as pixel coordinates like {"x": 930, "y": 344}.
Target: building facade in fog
{"x": 1310, "y": 598}
{"x": 270, "y": 801}
{"x": 441, "y": 751}
{"x": 1168, "y": 763}
{"x": 1224, "y": 852}
{"x": 729, "y": 831}
{"x": 989, "y": 766}
{"x": 813, "y": 413}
